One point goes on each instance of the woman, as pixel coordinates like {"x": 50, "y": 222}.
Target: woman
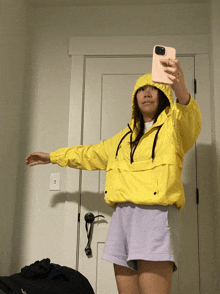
{"x": 143, "y": 166}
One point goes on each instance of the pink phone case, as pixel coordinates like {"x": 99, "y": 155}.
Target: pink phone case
{"x": 158, "y": 75}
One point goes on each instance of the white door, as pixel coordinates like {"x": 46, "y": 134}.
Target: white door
{"x": 109, "y": 83}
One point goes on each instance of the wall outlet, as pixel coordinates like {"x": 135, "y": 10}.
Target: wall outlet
{"x": 55, "y": 182}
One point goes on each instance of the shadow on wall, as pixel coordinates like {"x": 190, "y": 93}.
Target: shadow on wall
{"x": 95, "y": 201}
{"x": 18, "y": 233}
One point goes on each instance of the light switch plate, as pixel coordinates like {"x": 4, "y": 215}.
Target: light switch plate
{"x": 55, "y": 182}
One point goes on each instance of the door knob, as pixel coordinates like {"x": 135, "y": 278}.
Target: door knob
{"x": 89, "y": 218}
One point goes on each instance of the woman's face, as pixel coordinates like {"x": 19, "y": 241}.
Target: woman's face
{"x": 148, "y": 102}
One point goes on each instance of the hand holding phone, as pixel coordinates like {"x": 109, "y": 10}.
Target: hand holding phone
{"x": 158, "y": 74}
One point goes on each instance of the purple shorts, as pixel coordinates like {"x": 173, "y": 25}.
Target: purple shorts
{"x": 142, "y": 232}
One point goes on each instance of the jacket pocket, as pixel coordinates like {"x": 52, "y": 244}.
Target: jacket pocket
{"x": 131, "y": 186}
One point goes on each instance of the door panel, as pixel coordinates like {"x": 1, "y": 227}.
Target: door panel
{"x": 109, "y": 84}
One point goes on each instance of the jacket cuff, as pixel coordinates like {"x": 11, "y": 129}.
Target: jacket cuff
{"x": 53, "y": 157}
{"x": 186, "y": 107}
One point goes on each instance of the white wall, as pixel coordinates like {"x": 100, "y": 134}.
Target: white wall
{"x": 12, "y": 58}
{"x": 39, "y": 220}
{"x": 215, "y": 111}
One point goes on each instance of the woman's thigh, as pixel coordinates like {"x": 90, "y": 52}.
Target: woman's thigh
{"x": 126, "y": 279}
{"x": 155, "y": 277}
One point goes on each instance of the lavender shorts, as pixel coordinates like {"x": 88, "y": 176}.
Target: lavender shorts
{"x": 142, "y": 232}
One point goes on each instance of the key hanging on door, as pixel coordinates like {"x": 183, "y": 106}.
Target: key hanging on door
{"x": 89, "y": 218}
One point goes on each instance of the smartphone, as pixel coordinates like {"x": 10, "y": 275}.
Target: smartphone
{"x": 161, "y": 52}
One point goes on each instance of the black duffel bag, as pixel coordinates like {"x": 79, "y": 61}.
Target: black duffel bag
{"x": 43, "y": 277}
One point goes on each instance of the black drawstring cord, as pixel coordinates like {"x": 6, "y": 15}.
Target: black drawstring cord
{"x": 122, "y": 140}
{"x": 131, "y": 155}
{"x": 132, "y": 152}
{"x": 154, "y": 145}
{"x": 130, "y": 128}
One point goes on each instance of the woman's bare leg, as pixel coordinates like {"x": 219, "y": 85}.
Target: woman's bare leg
{"x": 126, "y": 279}
{"x": 155, "y": 277}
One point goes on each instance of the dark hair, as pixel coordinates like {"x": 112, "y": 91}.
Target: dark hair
{"x": 138, "y": 117}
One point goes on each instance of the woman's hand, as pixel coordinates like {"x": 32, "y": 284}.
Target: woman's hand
{"x": 175, "y": 74}
{"x": 37, "y": 158}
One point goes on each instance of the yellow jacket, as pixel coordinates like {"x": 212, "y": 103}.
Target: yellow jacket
{"x": 151, "y": 174}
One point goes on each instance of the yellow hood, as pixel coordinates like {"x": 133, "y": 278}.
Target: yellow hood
{"x": 146, "y": 80}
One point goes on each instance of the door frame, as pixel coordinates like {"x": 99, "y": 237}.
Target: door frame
{"x": 82, "y": 47}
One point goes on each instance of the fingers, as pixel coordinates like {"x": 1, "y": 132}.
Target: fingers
{"x": 37, "y": 158}
{"x": 166, "y": 62}
{"x": 33, "y": 159}
{"x": 169, "y": 63}
{"x": 176, "y": 76}
{"x": 174, "y": 71}
{"x": 29, "y": 156}
{"x": 33, "y": 164}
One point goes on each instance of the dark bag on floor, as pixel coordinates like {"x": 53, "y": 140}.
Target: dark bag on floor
{"x": 43, "y": 277}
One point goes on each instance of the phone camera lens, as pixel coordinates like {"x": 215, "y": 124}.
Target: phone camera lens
{"x": 160, "y": 50}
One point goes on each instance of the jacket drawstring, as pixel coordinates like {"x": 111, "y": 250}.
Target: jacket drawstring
{"x": 132, "y": 153}
{"x": 122, "y": 140}
{"x": 154, "y": 145}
